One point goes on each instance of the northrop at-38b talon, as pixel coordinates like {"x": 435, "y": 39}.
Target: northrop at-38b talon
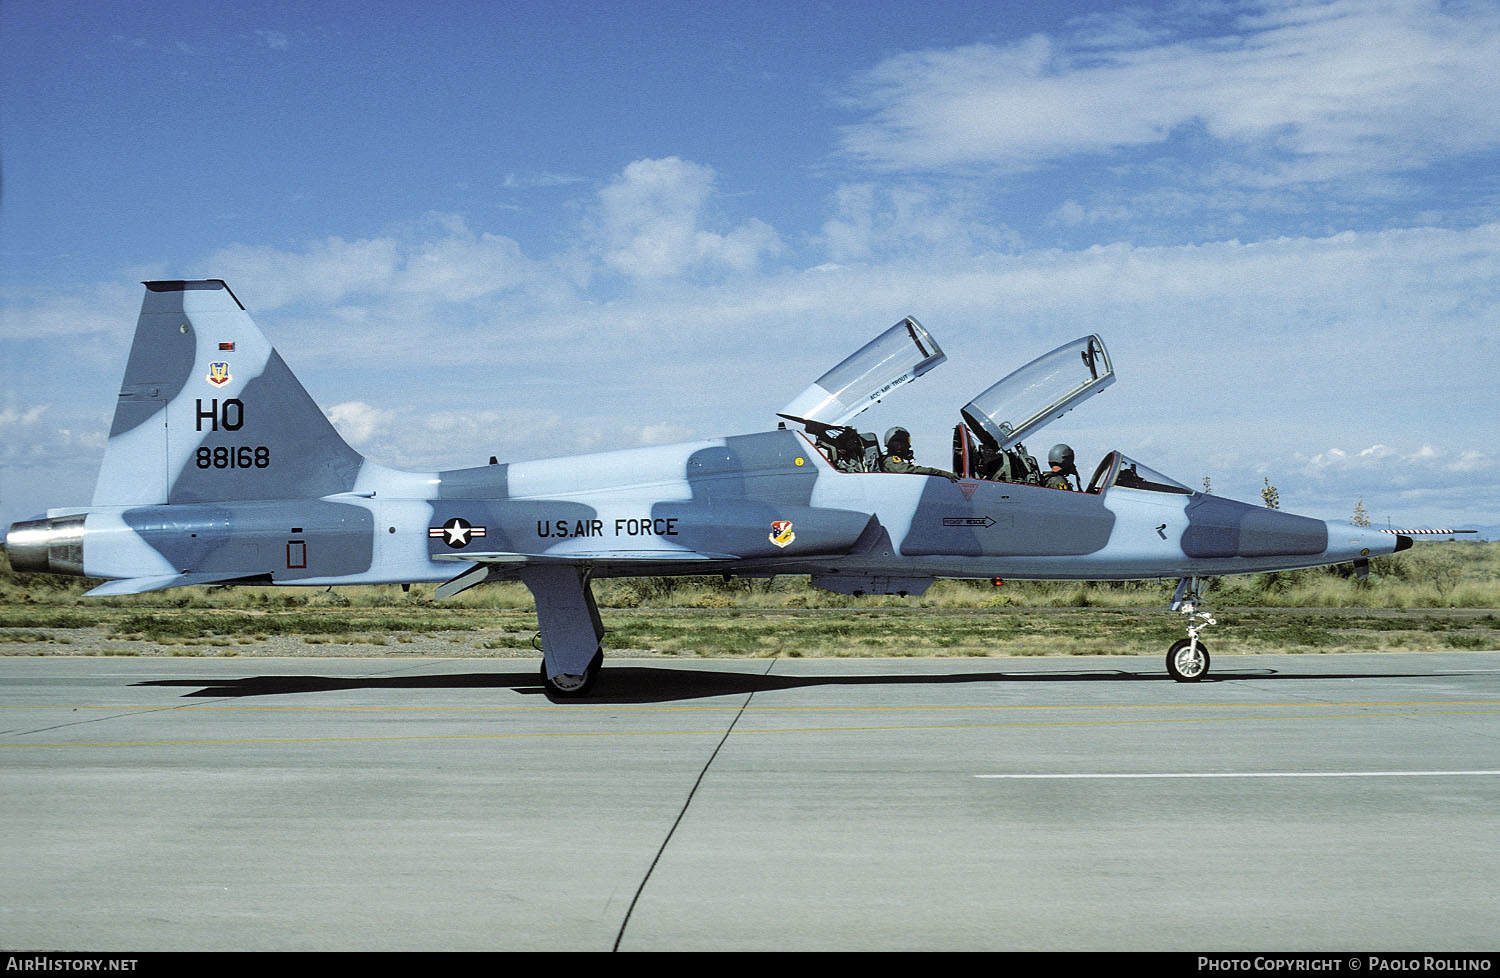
{"x": 220, "y": 469}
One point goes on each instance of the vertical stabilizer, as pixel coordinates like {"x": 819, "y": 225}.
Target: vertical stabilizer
{"x": 208, "y": 411}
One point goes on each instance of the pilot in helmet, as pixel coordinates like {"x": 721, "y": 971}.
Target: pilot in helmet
{"x": 851, "y": 451}
{"x": 1060, "y": 464}
{"x": 898, "y": 456}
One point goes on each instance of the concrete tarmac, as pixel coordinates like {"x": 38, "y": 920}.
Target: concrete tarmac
{"x": 1343, "y": 803}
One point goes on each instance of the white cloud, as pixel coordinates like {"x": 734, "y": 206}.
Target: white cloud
{"x": 910, "y": 219}
{"x": 439, "y": 258}
{"x": 654, "y": 221}
{"x": 663, "y": 433}
{"x": 71, "y": 312}
{"x": 1308, "y": 91}
{"x": 28, "y": 439}
{"x": 1473, "y": 461}
{"x": 530, "y": 181}
{"x": 1073, "y": 214}
{"x": 15, "y": 419}
{"x": 1414, "y": 467}
{"x": 462, "y": 265}
{"x": 324, "y": 271}
{"x": 650, "y": 224}
{"x": 358, "y": 422}
{"x": 1413, "y": 483}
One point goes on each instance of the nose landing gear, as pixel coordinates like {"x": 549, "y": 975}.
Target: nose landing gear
{"x": 1187, "y": 659}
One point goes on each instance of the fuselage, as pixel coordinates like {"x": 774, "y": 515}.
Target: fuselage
{"x": 764, "y": 503}
{"x": 221, "y": 468}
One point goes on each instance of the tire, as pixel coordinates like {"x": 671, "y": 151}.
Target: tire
{"x": 1182, "y": 667}
{"x": 572, "y": 687}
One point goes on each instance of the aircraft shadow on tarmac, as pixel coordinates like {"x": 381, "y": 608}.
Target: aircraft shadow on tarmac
{"x": 623, "y": 685}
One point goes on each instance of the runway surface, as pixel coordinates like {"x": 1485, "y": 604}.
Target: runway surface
{"x": 1345, "y": 802}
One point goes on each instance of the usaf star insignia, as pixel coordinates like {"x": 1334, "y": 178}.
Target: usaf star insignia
{"x": 456, "y": 533}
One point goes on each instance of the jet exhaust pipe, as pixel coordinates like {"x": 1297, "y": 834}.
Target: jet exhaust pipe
{"x": 46, "y": 546}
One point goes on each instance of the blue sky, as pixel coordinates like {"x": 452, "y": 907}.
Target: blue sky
{"x": 539, "y": 229}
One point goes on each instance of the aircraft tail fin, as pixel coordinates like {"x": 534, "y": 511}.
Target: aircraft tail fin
{"x": 208, "y": 411}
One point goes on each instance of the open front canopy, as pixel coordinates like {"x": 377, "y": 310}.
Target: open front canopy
{"x": 901, "y": 354}
{"x": 1039, "y": 393}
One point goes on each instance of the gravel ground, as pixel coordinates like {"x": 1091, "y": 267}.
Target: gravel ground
{"x": 450, "y": 645}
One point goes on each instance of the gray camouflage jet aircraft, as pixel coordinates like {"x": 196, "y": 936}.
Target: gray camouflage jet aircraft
{"x": 220, "y": 469}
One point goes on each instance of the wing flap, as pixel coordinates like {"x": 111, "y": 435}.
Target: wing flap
{"x": 479, "y": 564}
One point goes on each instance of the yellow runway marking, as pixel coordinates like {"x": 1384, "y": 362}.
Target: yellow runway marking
{"x": 747, "y": 730}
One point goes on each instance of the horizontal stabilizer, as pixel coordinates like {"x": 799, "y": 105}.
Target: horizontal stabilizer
{"x": 1427, "y": 533}
{"x": 466, "y": 579}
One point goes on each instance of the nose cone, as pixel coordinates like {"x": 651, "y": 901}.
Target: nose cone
{"x": 1349, "y": 542}
{"x": 1220, "y": 527}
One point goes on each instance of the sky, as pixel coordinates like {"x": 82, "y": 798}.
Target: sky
{"x": 530, "y": 230}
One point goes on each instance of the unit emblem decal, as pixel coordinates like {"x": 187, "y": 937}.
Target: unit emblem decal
{"x": 781, "y": 532}
{"x": 218, "y": 373}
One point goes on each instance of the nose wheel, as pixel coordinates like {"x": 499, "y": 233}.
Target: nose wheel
{"x": 1187, "y": 659}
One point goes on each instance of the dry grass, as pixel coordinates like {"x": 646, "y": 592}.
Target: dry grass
{"x": 1436, "y": 596}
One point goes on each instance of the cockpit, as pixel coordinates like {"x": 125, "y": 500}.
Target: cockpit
{"x": 1117, "y": 470}
{"x": 988, "y": 443}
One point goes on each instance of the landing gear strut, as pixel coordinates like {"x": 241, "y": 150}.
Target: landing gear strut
{"x": 570, "y": 628}
{"x": 1187, "y": 659}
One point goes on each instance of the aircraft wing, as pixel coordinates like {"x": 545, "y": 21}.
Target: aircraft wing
{"x": 141, "y": 585}
{"x": 480, "y": 562}
{"x": 579, "y": 556}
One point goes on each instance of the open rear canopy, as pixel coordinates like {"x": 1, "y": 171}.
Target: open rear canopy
{"x": 1039, "y": 393}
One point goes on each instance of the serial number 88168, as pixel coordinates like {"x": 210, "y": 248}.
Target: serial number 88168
{"x": 234, "y": 457}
